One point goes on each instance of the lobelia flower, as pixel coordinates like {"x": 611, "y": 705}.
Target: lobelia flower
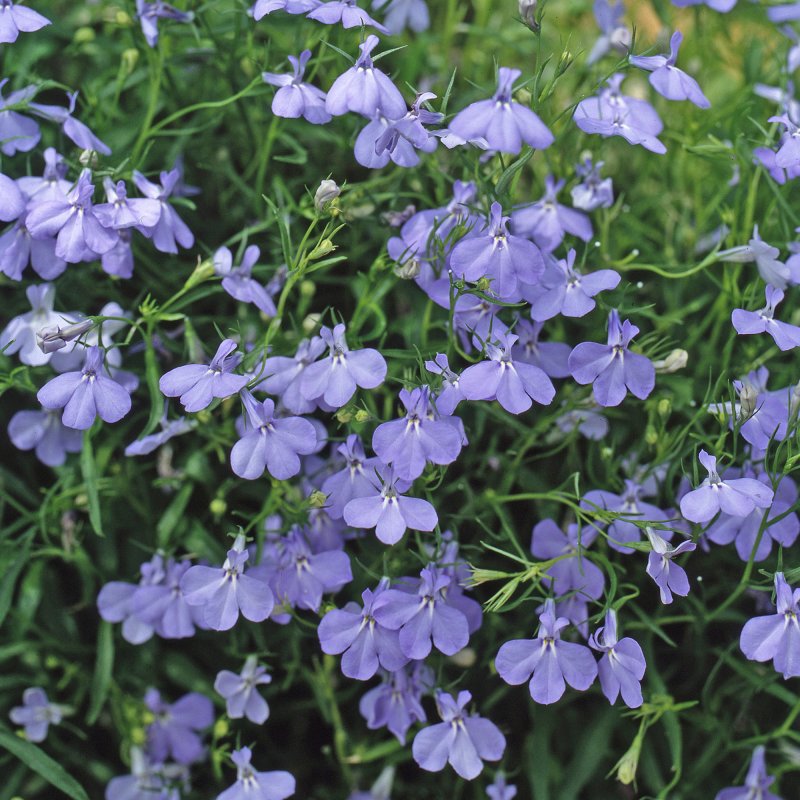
{"x": 612, "y": 368}
{"x": 514, "y": 384}
{"x": 388, "y": 511}
{"x": 198, "y": 384}
{"x": 667, "y": 79}
{"x": 284, "y": 375}
{"x": 356, "y": 479}
{"x": 239, "y": 691}
{"x": 737, "y": 497}
{"x": 592, "y": 192}
{"x": 253, "y": 785}
{"x": 786, "y": 336}
{"x": 547, "y": 660}
{"x": 766, "y": 157}
{"x": 450, "y": 395}
{"x": 504, "y": 124}
{"x": 409, "y": 443}
{"x": 295, "y": 98}
{"x": 770, "y": 268}
{"x": 622, "y": 666}
{"x": 225, "y": 592}
{"x": 80, "y": 236}
{"x": 402, "y": 14}
{"x": 170, "y": 230}
{"x": 335, "y": 378}
{"x": 788, "y": 154}
{"x": 588, "y": 421}
{"x": 123, "y": 212}
{"x": 12, "y": 200}
{"x": 613, "y": 114}
{"x": 15, "y": 19}
{"x": 669, "y": 577}
{"x": 380, "y": 790}
{"x": 500, "y": 790}
{"x": 73, "y": 129}
{"x": 148, "y": 780}
{"x": 757, "y": 783}
{"x": 547, "y": 221}
{"x": 37, "y": 713}
{"x": 506, "y": 259}
{"x": 169, "y": 430}
{"x": 776, "y": 637}
{"x": 563, "y": 290}
{"x": 550, "y": 357}
{"x": 424, "y": 618}
{"x": 723, "y": 6}
{"x": 151, "y": 11}
{"x": 363, "y": 642}
{"x": 396, "y": 703}
{"x": 364, "y": 89}
{"x": 174, "y": 732}
{"x": 86, "y": 394}
{"x": 614, "y": 34}
{"x": 264, "y": 7}
{"x": 345, "y": 11}
{"x": 463, "y": 740}
{"x": 43, "y": 432}
{"x": 18, "y": 134}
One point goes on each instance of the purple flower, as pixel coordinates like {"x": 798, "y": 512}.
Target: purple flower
{"x": 549, "y": 660}
{"x": 18, "y": 134}
{"x": 770, "y": 268}
{"x": 449, "y": 395}
{"x": 174, "y": 732}
{"x": 16, "y": 19}
{"x": 284, "y": 375}
{"x": 776, "y": 637}
{"x": 667, "y": 79}
{"x": 169, "y": 429}
{"x": 253, "y": 785}
{"x": 788, "y": 155}
{"x": 44, "y": 432}
{"x": 757, "y": 783}
{"x": 295, "y": 98}
{"x": 12, "y": 200}
{"x": 356, "y": 479}
{"x": 346, "y": 12}
{"x": 402, "y": 14}
{"x": 504, "y": 124}
{"x": 148, "y": 780}
{"x": 506, "y": 260}
{"x": 550, "y": 357}
{"x": 409, "y": 443}
{"x": 170, "y": 230}
{"x": 239, "y": 691}
{"x": 362, "y": 640}
{"x": 588, "y": 421}
{"x": 669, "y": 577}
{"x": 564, "y": 290}
{"x": 198, "y": 384}
{"x": 80, "y": 236}
{"x": 364, "y": 89}
{"x": 86, "y": 394}
{"x": 388, "y": 511}
{"x": 514, "y": 384}
{"x": 613, "y": 114}
{"x": 737, "y": 497}
{"x": 613, "y": 368}
{"x": 592, "y": 192}
{"x": 547, "y": 221}
{"x": 264, "y": 7}
{"x": 238, "y": 281}
{"x": 150, "y": 13}
{"x": 463, "y": 740}
{"x": 423, "y": 617}
{"x": 395, "y": 704}
{"x": 786, "y": 336}
{"x": 622, "y": 666}
{"x": 380, "y": 790}
{"x": 270, "y": 442}
{"x": 123, "y": 212}
{"x": 335, "y": 378}
{"x": 73, "y": 129}
{"x": 36, "y": 713}
{"x": 224, "y": 592}
{"x": 614, "y": 35}
{"x": 723, "y": 6}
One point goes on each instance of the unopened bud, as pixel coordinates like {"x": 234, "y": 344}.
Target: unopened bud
{"x": 362, "y": 415}
{"x": 651, "y": 435}
{"x": 464, "y": 658}
{"x": 408, "y": 269}
{"x": 317, "y": 499}
{"x": 664, "y": 407}
{"x": 311, "y": 323}
{"x": 324, "y": 248}
{"x": 396, "y": 218}
{"x": 88, "y": 158}
{"x": 326, "y": 193}
{"x": 527, "y": 12}
{"x": 344, "y": 415}
{"x": 218, "y": 507}
{"x": 620, "y": 39}
{"x": 676, "y": 360}
{"x": 54, "y": 338}
{"x": 748, "y": 400}
{"x": 627, "y": 765}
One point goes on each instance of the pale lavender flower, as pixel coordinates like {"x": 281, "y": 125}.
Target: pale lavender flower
{"x": 18, "y": 134}
{"x": 463, "y": 740}
{"x": 36, "y": 713}
{"x": 504, "y": 124}
{"x": 264, "y": 7}
{"x": 75, "y": 130}
{"x": 224, "y": 592}
{"x": 175, "y": 729}
{"x": 402, "y": 14}
{"x": 12, "y": 200}
{"x": 771, "y": 269}
{"x": 198, "y": 384}
{"x": 238, "y": 281}
{"x": 546, "y": 660}
{"x": 723, "y": 6}
{"x": 150, "y": 12}
{"x": 295, "y": 98}
{"x": 550, "y": 357}
{"x": 123, "y": 212}
{"x": 788, "y": 154}
{"x": 622, "y": 666}
{"x": 86, "y": 394}
{"x": 253, "y": 785}
{"x": 44, "y": 432}
{"x": 148, "y": 780}
{"x": 52, "y": 184}
{"x": 786, "y": 336}
{"x": 16, "y": 19}
{"x": 364, "y": 89}
{"x": 776, "y": 637}
{"x": 669, "y": 577}
{"x": 514, "y": 384}
{"x": 345, "y": 12}
{"x": 787, "y": 12}
{"x": 757, "y": 783}
{"x": 737, "y": 497}
{"x": 547, "y": 221}
{"x": 589, "y": 422}
{"x": 170, "y": 230}
{"x": 449, "y": 395}
{"x": 592, "y": 192}
{"x": 612, "y": 368}
{"x": 380, "y": 790}
{"x": 614, "y": 34}
{"x": 500, "y": 790}
{"x": 667, "y": 79}
{"x": 284, "y": 375}
{"x": 169, "y": 430}
{"x": 239, "y": 691}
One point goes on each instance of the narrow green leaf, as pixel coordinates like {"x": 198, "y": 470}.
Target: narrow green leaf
{"x": 511, "y": 171}
{"x": 103, "y": 668}
{"x": 173, "y": 515}
{"x": 11, "y": 573}
{"x": 42, "y": 764}
{"x": 89, "y": 470}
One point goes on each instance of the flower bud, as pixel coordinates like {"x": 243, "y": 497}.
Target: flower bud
{"x": 54, "y": 338}
{"x": 748, "y": 400}
{"x": 621, "y": 39}
{"x": 527, "y": 11}
{"x": 408, "y": 269}
{"x": 326, "y": 193}
{"x": 324, "y": 248}
{"x": 317, "y": 499}
{"x": 88, "y": 158}
{"x": 362, "y": 415}
{"x": 218, "y": 507}
{"x": 676, "y": 360}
